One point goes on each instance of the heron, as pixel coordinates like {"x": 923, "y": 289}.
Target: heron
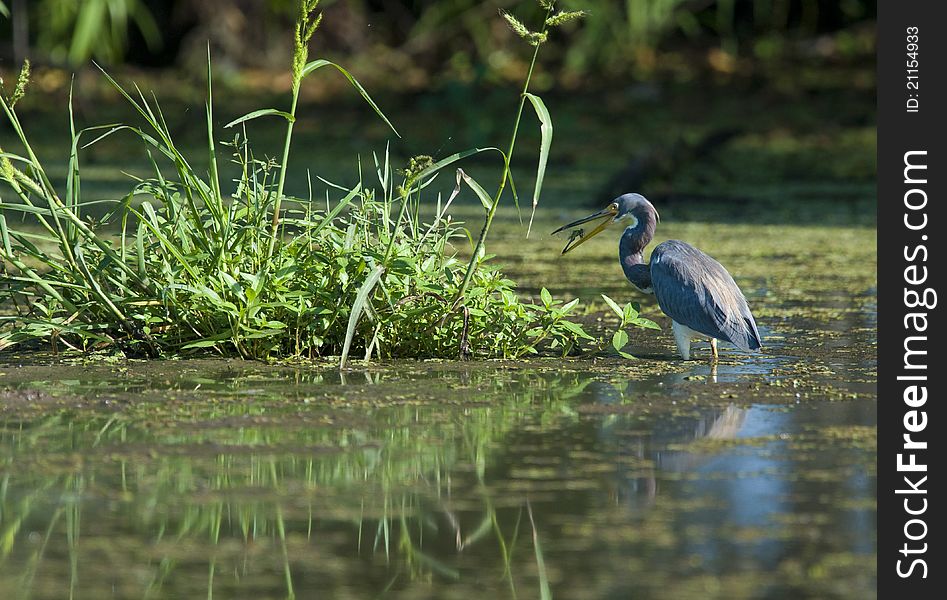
{"x": 693, "y": 289}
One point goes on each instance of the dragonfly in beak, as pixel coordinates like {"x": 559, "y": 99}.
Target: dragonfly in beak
{"x": 579, "y": 237}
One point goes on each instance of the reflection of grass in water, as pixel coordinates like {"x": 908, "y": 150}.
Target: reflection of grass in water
{"x": 212, "y": 486}
{"x": 211, "y": 499}
{"x": 544, "y": 591}
{"x": 182, "y": 492}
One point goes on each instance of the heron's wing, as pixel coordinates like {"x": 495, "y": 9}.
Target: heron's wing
{"x": 695, "y": 290}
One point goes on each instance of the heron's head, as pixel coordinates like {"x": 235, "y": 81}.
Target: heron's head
{"x": 633, "y": 210}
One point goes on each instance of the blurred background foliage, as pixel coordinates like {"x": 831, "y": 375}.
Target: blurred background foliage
{"x": 459, "y": 39}
{"x": 735, "y": 101}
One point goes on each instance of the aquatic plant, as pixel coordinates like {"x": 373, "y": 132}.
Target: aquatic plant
{"x": 627, "y": 315}
{"x": 175, "y": 266}
{"x": 385, "y": 497}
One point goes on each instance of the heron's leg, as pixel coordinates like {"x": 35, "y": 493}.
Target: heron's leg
{"x": 713, "y": 346}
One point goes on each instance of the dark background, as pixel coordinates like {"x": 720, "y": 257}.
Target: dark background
{"x": 769, "y": 102}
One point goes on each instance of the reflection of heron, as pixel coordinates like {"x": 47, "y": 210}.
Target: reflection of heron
{"x": 668, "y": 446}
{"x": 725, "y": 426}
{"x": 692, "y": 288}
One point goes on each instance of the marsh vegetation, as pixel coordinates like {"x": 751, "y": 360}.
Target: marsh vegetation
{"x": 175, "y": 265}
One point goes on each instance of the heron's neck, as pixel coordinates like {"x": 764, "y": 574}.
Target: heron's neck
{"x": 637, "y": 272}
{"x": 631, "y": 252}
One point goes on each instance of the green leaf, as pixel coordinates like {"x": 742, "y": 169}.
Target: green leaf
{"x": 646, "y": 323}
{"x": 482, "y": 194}
{"x": 153, "y": 223}
{"x": 263, "y": 112}
{"x": 619, "y": 340}
{"x": 201, "y": 344}
{"x": 545, "y": 129}
{"x": 546, "y": 297}
{"x": 27, "y": 208}
{"x": 140, "y": 251}
{"x": 5, "y": 234}
{"x": 629, "y": 313}
{"x": 361, "y": 299}
{"x": 448, "y": 160}
{"x": 614, "y": 306}
{"x": 335, "y": 211}
{"x": 210, "y": 294}
{"x": 318, "y": 64}
{"x": 568, "y": 306}
{"x": 235, "y": 287}
{"x": 575, "y": 329}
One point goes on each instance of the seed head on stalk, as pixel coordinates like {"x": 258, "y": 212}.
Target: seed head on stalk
{"x": 306, "y": 26}
{"x": 7, "y": 171}
{"x": 415, "y": 167}
{"x": 22, "y": 80}
{"x": 534, "y": 38}
{"x": 564, "y": 16}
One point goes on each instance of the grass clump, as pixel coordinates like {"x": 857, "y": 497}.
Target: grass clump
{"x": 176, "y": 266}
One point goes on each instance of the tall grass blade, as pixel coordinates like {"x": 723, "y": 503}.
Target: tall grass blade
{"x": 482, "y": 194}
{"x": 72, "y": 174}
{"x": 256, "y": 114}
{"x": 330, "y": 217}
{"x": 211, "y": 151}
{"x": 449, "y": 160}
{"x": 318, "y": 64}
{"x": 545, "y": 128}
{"x": 361, "y": 300}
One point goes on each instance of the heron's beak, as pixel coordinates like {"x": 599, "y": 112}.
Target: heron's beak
{"x": 579, "y": 238}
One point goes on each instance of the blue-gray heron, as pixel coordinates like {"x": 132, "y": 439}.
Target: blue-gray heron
{"x": 692, "y": 288}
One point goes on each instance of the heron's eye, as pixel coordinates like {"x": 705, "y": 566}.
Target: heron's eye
{"x": 613, "y": 206}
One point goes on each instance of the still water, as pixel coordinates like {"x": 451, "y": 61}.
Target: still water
{"x": 593, "y": 477}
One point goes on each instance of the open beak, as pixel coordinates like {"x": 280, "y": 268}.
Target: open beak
{"x": 580, "y": 237}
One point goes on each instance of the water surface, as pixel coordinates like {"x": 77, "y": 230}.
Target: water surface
{"x": 588, "y": 477}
